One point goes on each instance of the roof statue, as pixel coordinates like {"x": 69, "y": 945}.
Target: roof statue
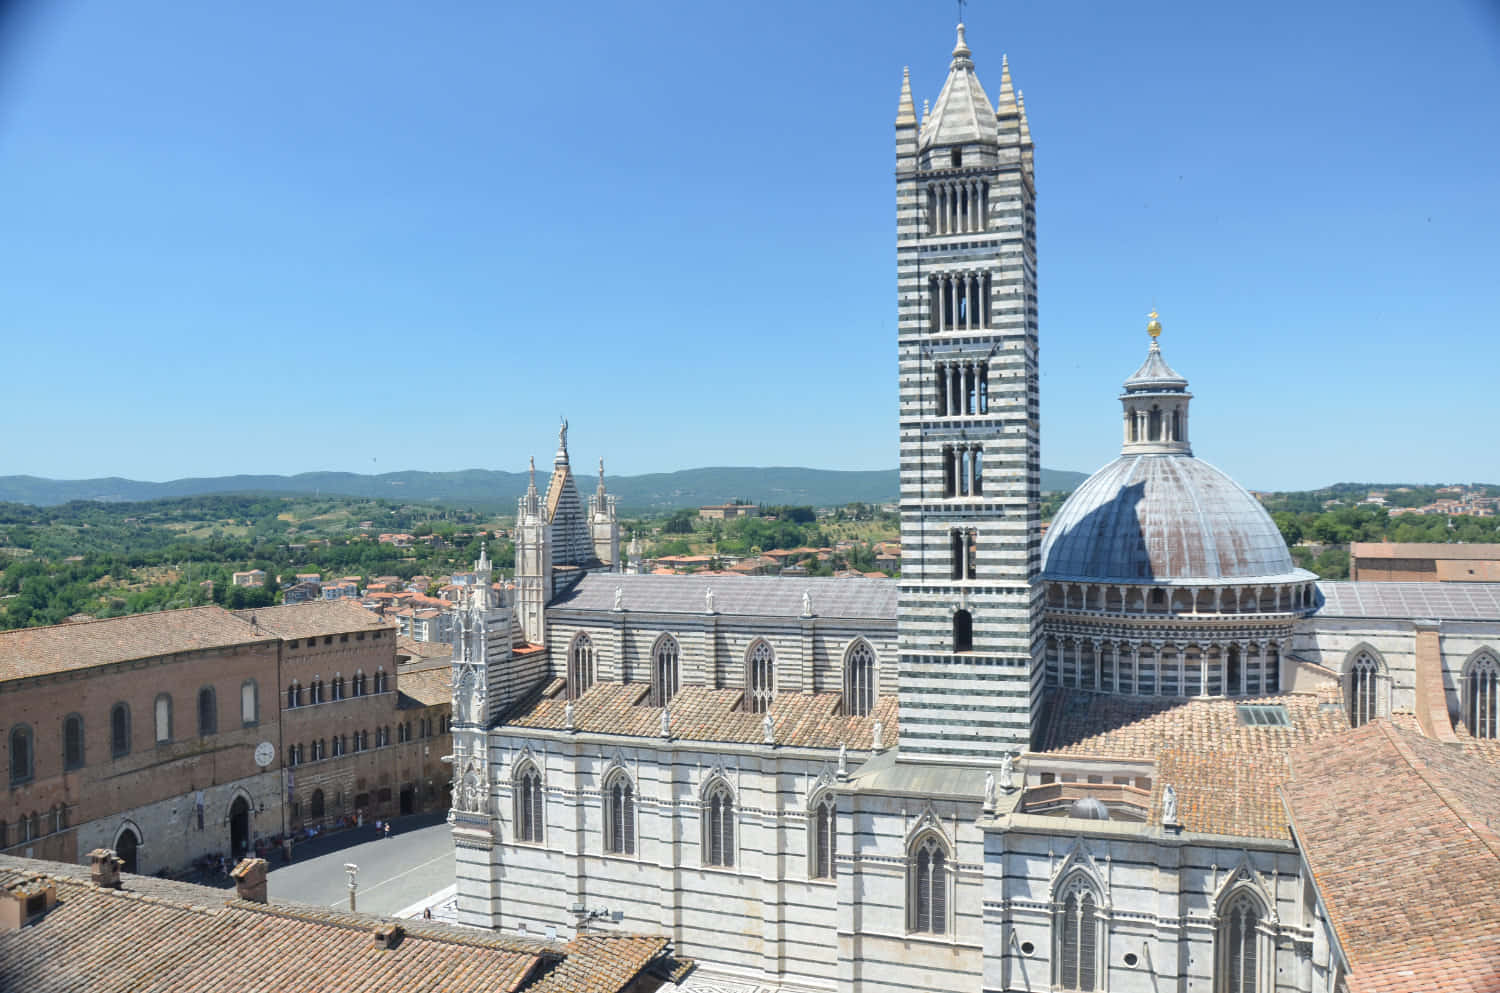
{"x": 1007, "y": 772}
{"x": 619, "y": 598}
{"x": 562, "y": 439}
{"x": 876, "y": 737}
{"x": 843, "y": 760}
{"x": 708, "y": 600}
{"x": 666, "y": 723}
{"x": 1169, "y": 806}
{"x": 769, "y": 726}
{"x": 989, "y": 791}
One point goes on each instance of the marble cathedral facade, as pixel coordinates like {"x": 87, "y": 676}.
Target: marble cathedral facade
{"x": 963, "y": 779}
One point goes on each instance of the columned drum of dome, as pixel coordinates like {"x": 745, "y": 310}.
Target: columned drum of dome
{"x": 969, "y": 613}
{"x": 1162, "y": 576}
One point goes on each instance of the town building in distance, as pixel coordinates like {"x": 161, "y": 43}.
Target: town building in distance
{"x": 1147, "y": 753}
{"x": 1423, "y": 562}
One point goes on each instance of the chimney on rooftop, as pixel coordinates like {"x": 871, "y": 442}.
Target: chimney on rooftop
{"x": 389, "y": 935}
{"x": 105, "y": 870}
{"x": 250, "y": 880}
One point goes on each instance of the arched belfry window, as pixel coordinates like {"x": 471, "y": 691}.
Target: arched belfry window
{"x": 581, "y": 666}
{"x": 760, "y": 676}
{"x": 822, "y": 837}
{"x": 1362, "y": 691}
{"x": 1239, "y": 958}
{"x": 927, "y": 886}
{"x": 1076, "y": 936}
{"x": 1481, "y": 696}
{"x": 963, "y": 631}
{"x": 859, "y": 679}
{"x": 664, "y": 670}
{"x": 530, "y": 804}
{"x": 718, "y": 824}
{"x": 619, "y": 815}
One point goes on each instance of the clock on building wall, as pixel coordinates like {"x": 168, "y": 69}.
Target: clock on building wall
{"x": 265, "y": 753}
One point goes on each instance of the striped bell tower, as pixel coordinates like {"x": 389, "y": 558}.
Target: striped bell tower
{"x": 969, "y": 612}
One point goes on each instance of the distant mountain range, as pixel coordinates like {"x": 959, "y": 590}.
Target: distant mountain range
{"x": 491, "y": 489}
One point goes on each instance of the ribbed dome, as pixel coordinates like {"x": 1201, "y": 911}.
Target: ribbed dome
{"x": 1154, "y": 518}
{"x": 1089, "y": 808}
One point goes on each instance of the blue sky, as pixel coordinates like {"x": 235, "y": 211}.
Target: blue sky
{"x": 372, "y": 236}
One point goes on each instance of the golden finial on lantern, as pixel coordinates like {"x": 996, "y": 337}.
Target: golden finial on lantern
{"x": 1154, "y": 327}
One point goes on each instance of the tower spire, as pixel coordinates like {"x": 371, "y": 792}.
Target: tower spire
{"x": 905, "y": 111}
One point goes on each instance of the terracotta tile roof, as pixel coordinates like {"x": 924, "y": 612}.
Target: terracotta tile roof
{"x": 424, "y": 687}
{"x": 1224, "y": 771}
{"x": 805, "y": 720}
{"x": 1408, "y": 870}
{"x": 315, "y": 619}
{"x": 423, "y": 649}
{"x": 175, "y": 936}
{"x": 84, "y": 644}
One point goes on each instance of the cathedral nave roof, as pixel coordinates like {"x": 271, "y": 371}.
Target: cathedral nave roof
{"x": 801, "y": 720}
{"x": 1436, "y": 601}
{"x": 753, "y": 596}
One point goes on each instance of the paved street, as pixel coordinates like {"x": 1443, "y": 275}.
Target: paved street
{"x": 393, "y": 874}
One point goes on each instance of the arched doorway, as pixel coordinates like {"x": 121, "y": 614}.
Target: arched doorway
{"x": 126, "y": 846}
{"x": 239, "y": 826}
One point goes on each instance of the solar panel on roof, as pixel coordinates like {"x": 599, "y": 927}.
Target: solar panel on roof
{"x": 1264, "y": 715}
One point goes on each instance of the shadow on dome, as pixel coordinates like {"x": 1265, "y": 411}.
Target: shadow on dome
{"x": 1093, "y": 547}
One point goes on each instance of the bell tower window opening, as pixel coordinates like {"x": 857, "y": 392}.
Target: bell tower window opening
{"x": 965, "y": 472}
{"x": 941, "y": 370}
{"x": 976, "y": 465}
{"x": 971, "y": 555}
{"x": 950, "y": 480}
{"x": 963, "y": 631}
{"x": 984, "y": 385}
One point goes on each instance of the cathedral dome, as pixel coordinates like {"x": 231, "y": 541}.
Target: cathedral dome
{"x": 1153, "y": 518}
{"x": 1157, "y": 514}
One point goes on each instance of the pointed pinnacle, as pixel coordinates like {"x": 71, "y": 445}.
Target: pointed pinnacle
{"x": 905, "y": 113}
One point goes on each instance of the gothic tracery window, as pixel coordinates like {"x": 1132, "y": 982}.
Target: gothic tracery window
{"x": 1238, "y": 945}
{"x": 1481, "y": 697}
{"x": 529, "y": 814}
{"x": 822, "y": 838}
{"x": 581, "y": 666}
{"x": 619, "y": 816}
{"x": 1363, "y": 677}
{"x": 718, "y": 825}
{"x": 1076, "y": 938}
{"x": 927, "y": 887}
{"x": 859, "y": 679}
{"x": 664, "y": 670}
{"x": 760, "y": 676}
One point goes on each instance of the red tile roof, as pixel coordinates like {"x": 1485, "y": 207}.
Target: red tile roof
{"x": 315, "y": 619}
{"x": 153, "y": 935}
{"x": 1396, "y": 830}
{"x": 808, "y": 720}
{"x": 84, "y": 644}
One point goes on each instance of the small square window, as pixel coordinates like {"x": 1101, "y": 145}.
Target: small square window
{"x": 343, "y": 637}
{"x": 291, "y": 644}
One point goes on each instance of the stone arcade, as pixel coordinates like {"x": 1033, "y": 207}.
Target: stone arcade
{"x": 1119, "y": 760}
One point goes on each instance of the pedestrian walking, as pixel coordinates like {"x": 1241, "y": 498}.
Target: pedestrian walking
{"x": 387, "y": 829}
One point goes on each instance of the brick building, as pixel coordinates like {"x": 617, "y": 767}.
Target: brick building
{"x": 138, "y": 734}
{"x": 1423, "y": 562}
{"x": 178, "y": 734}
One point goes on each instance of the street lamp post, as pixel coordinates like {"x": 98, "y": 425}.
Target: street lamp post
{"x": 353, "y": 871}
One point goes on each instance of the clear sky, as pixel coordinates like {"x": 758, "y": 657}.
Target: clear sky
{"x": 372, "y": 235}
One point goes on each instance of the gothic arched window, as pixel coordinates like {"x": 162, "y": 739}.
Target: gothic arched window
{"x": 293, "y": 694}
{"x": 859, "y": 679}
{"x": 664, "y": 670}
{"x": 1075, "y": 936}
{"x": 208, "y": 711}
{"x": 718, "y": 825}
{"x": 581, "y": 666}
{"x": 822, "y": 838}
{"x": 927, "y": 886}
{"x": 529, "y": 813}
{"x": 119, "y": 730}
{"x": 760, "y": 676}
{"x": 1363, "y": 678}
{"x": 380, "y": 681}
{"x": 1238, "y": 945}
{"x": 963, "y": 631}
{"x": 1481, "y": 697}
{"x": 73, "y": 741}
{"x": 619, "y": 815}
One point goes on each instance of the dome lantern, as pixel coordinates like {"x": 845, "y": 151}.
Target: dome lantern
{"x": 1156, "y": 404}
